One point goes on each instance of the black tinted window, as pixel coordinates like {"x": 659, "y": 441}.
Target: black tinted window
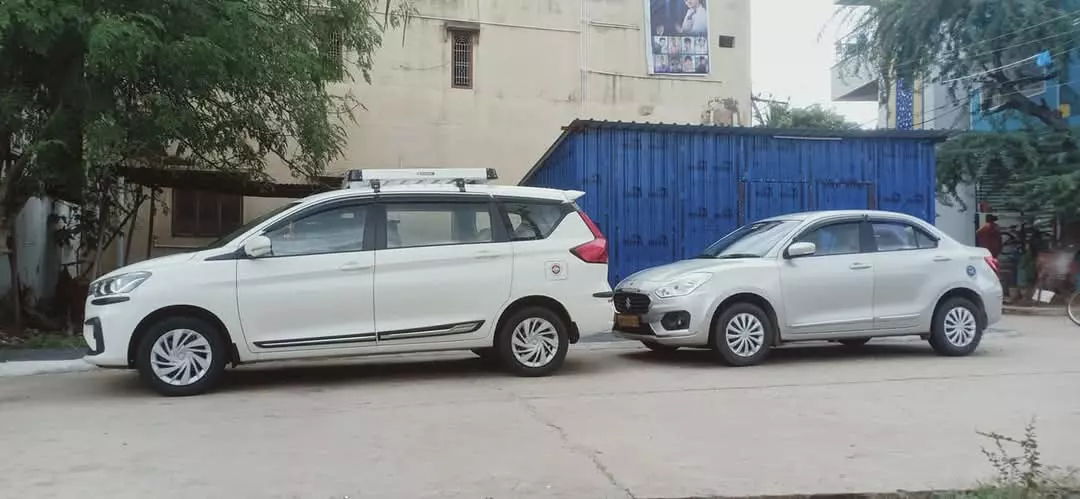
{"x": 835, "y": 239}
{"x": 437, "y": 224}
{"x": 334, "y": 230}
{"x": 530, "y": 221}
{"x": 894, "y": 236}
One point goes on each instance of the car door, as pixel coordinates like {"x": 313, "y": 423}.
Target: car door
{"x": 314, "y": 291}
{"x": 831, "y": 290}
{"x": 444, "y": 268}
{"x": 907, "y": 273}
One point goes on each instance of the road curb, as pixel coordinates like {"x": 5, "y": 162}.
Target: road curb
{"x": 1034, "y": 311}
{"x": 32, "y": 367}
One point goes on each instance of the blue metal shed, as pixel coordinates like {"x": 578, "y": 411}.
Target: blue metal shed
{"x": 663, "y": 192}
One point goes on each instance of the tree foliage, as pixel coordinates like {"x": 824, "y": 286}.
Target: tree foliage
{"x": 966, "y": 45}
{"x": 1037, "y": 171}
{"x": 783, "y": 115}
{"x": 90, "y": 85}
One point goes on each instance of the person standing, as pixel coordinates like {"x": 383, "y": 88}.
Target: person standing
{"x": 989, "y": 236}
{"x": 696, "y": 21}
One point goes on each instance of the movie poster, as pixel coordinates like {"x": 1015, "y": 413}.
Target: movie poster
{"x": 677, "y": 36}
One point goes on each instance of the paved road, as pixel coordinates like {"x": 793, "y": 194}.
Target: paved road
{"x": 619, "y": 422}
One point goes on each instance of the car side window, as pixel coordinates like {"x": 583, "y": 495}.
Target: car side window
{"x": 835, "y": 239}
{"x": 532, "y": 221}
{"x": 925, "y": 241}
{"x": 334, "y": 230}
{"x": 892, "y": 236}
{"x": 410, "y": 225}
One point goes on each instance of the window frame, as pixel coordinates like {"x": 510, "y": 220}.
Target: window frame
{"x": 502, "y": 201}
{"x": 918, "y": 230}
{"x": 865, "y": 236}
{"x": 498, "y": 230}
{"x": 369, "y": 226}
{"x": 471, "y": 35}
{"x": 222, "y": 230}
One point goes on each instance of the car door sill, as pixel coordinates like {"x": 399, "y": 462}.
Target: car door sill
{"x": 432, "y": 331}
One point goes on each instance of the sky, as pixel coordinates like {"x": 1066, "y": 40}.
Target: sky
{"x": 790, "y": 62}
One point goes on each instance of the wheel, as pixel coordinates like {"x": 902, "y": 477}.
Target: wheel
{"x": 957, "y": 328}
{"x": 181, "y": 356}
{"x": 1073, "y": 308}
{"x": 532, "y": 342}
{"x": 659, "y": 348}
{"x": 742, "y": 336}
{"x": 853, "y": 342}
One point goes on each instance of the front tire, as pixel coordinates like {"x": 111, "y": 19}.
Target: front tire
{"x": 742, "y": 335}
{"x": 532, "y": 342}
{"x": 957, "y": 328}
{"x": 181, "y": 356}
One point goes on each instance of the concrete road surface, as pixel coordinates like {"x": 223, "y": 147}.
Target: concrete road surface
{"x": 618, "y": 422}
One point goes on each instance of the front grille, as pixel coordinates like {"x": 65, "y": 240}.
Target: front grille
{"x": 631, "y": 303}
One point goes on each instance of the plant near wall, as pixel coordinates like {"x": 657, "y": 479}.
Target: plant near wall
{"x": 776, "y": 114}
{"x": 90, "y": 85}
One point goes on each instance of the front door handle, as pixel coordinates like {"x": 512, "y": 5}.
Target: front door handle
{"x": 353, "y": 267}
{"x": 942, "y": 259}
{"x": 859, "y": 266}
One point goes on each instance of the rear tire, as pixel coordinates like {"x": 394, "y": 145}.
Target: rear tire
{"x": 957, "y": 328}
{"x": 182, "y": 356}
{"x": 742, "y": 335}
{"x": 1072, "y": 309}
{"x": 659, "y": 348}
{"x": 532, "y": 342}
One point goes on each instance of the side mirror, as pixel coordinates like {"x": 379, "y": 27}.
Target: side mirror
{"x": 800, "y": 249}
{"x": 258, "y": 247}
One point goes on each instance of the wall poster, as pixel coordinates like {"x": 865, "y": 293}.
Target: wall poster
{"x": 677, "y": 37}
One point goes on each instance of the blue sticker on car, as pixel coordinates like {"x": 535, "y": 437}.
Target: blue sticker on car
{"x": 971, "y": 271}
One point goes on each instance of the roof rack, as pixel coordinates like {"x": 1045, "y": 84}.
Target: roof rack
{"x": 375, "y": 179}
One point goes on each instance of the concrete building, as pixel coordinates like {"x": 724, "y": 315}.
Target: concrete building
{"x": 490, "y": 83}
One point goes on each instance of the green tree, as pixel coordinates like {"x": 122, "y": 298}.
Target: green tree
{"x": 774, "y": 114}
{"x": 87, "y": 85}
{"x": 967, "y": 44}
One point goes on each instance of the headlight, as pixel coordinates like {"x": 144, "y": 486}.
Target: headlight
{"x": 683, "y": 286}
{"x": 116, "y": 285}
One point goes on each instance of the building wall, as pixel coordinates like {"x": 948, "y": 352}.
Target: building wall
{"x": 538, "y": 65}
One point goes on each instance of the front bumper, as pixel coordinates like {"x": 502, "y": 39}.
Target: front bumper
{"x": 652, "y": 329}
{"x": 107, "y": 332}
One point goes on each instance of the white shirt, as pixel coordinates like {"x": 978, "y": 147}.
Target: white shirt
{"x": 696, "y": 21}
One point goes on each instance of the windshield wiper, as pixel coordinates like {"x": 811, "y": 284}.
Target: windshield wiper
{"x": 737, "y": 255}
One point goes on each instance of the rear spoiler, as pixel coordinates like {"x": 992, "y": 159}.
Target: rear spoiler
{"x": 573, "y": 195}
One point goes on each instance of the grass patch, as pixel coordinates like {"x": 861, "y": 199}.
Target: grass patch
{"x": 42, "y": 340}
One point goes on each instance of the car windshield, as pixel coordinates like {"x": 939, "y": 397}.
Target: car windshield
{"x": 750, "y": 241}
{"x": 246, "y": 227}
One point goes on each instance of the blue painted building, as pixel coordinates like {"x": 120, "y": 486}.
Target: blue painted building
{"x": 661, "y": 193}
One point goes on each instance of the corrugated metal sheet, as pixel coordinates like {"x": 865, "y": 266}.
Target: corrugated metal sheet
{"x": 662, "y": 193}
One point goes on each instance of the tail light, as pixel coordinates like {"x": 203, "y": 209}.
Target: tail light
{"x": 594, "y": 251}
{"x": 993, "y": 263}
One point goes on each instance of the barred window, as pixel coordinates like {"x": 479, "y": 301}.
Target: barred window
{"x": 461, "y": 48}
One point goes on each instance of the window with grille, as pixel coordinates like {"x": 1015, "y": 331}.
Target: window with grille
{"x": 461, "y": 48}
{"x": 330, "y": 45}
{"x": 205, "y": 214}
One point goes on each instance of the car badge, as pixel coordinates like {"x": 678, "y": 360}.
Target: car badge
{"x": 628, "y": 304}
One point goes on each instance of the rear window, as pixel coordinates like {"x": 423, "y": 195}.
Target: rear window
{"x": 534, "y": 220}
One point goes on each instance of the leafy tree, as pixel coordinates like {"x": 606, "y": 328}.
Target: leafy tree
{"x": 783, "y": 115}
{"x": 89, "y": 85}
{"x": 965, "y": 44}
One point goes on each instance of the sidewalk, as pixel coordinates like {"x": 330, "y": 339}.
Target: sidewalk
{"x": 1043, "y": 311}
{"x": 20, "y": 362}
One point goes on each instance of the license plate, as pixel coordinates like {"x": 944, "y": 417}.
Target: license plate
{"x": 627, "y": 321}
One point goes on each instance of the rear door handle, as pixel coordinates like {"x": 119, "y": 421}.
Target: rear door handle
{"x": 942, "y": 259}
{"x": 486, "y": 255}
{"x": 859, "y": 266}
{"x": 353, "y": 267}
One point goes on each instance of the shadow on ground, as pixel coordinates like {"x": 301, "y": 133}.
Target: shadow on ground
{"x": 801, "y": 354}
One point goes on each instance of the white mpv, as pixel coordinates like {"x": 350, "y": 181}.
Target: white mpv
{"x": 845, "y": 276}
{"x": 398, "y": 261}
